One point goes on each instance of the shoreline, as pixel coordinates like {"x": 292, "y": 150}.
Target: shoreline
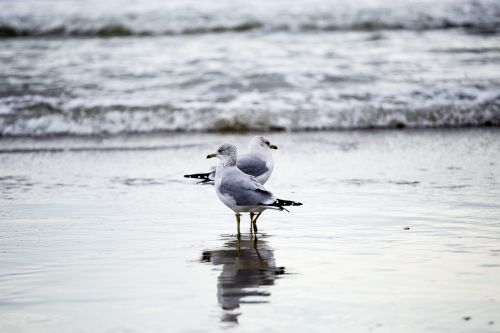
{"x": 155, "y": 134}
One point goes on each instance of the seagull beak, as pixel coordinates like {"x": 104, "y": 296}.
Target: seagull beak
{"x": 212, "y": 155}
{"x": 273, "y": 146}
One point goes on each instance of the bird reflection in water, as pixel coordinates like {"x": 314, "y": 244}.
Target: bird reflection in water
{"x": 247, "y": 266}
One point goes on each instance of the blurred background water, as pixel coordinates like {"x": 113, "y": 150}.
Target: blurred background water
{"x": 106, "y": 67}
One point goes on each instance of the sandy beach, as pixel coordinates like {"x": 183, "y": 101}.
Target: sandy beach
{"x": 398, "y": 233}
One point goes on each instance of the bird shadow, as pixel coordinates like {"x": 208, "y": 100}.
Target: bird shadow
{"x": 248, "y": 271}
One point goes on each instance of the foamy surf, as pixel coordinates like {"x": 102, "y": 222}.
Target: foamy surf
{"x": 119, "y": 119}
{"x": 281, "y": 66}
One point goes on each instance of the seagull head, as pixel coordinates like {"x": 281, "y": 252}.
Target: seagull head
{"x": 227, "y": 153}
{"x": 260, "y": 143}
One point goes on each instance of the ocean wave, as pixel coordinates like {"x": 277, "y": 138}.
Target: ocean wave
{"x": 117, "y": 30}
{"x": 48, "y": 119}
{"x": 107, "y": 30}
{"x": 478, "y": 16}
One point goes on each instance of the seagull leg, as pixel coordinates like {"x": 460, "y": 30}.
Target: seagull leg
{"x": 254, "y": 222}
{"x": 256, "y": 217}
{"x": 251, "y": 219}
{"x": 238, "y": 224}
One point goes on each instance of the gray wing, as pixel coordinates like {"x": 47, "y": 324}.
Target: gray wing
{"x": 245, "y": 190}
{"x": 251, "y": 165}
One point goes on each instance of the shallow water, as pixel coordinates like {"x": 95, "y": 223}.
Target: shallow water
{"x": 398, "y": 232}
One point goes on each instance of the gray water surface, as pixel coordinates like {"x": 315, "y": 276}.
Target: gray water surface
{"x": 398, "y": 232}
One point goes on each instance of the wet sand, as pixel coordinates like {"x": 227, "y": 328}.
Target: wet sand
{"x": 399, "y": 232}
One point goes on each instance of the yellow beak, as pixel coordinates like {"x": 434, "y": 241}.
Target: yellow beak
{"x": 273, "y": 147}
{"x": 212, "y": 155}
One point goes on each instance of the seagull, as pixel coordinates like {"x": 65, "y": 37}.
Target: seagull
{"x": 257, "y": 162}
{"x": 242, "y": 192}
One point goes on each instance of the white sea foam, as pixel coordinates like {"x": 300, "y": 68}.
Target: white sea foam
{"x": 252, "y": 113}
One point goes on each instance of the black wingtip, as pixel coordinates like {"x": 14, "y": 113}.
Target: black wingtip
{"x": 199, "y": 175}
{"x": 280, "y": 203}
